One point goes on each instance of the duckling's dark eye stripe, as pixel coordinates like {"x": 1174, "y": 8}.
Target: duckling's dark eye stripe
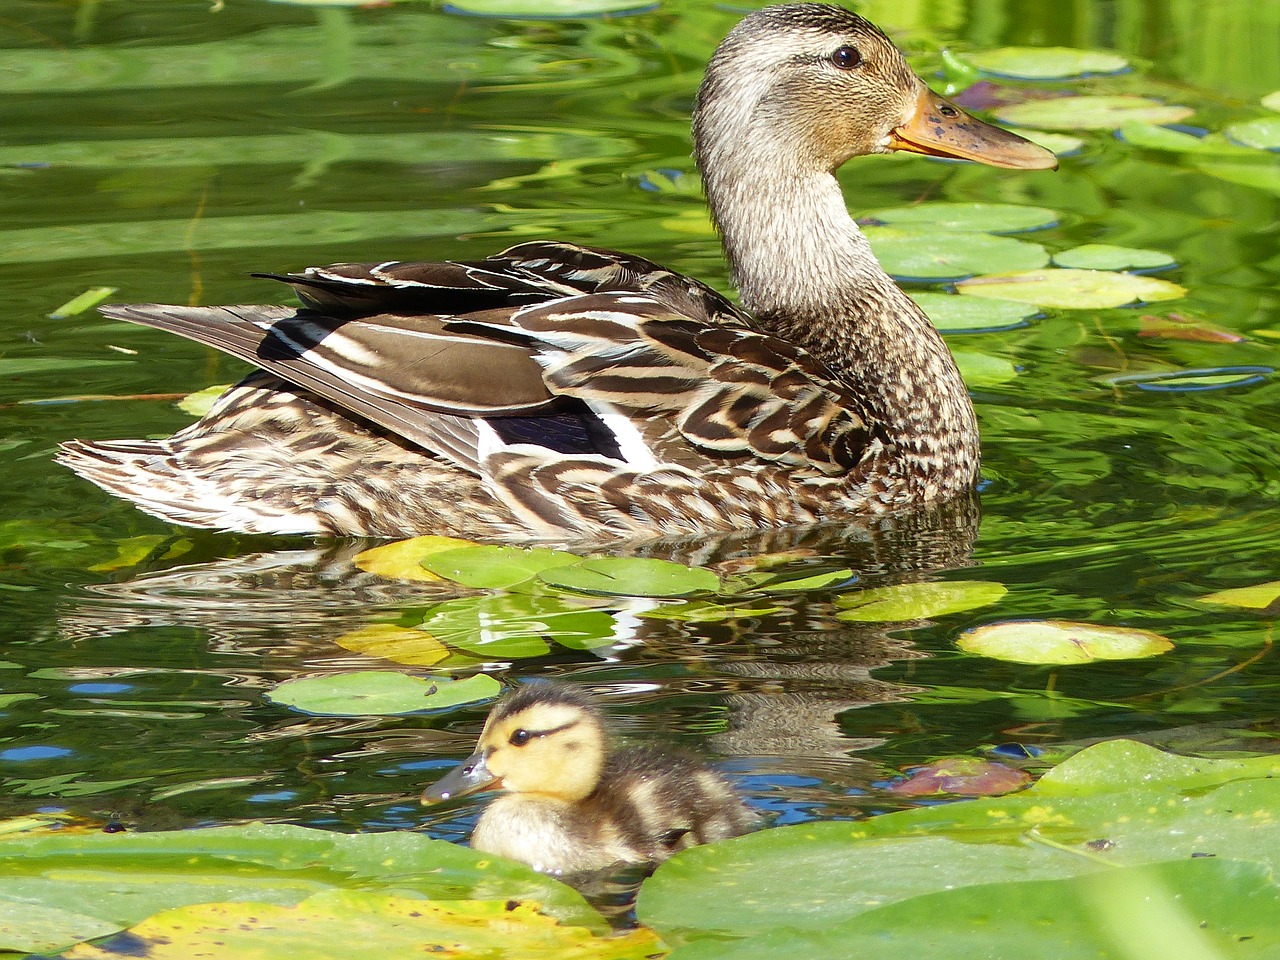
{"x": 530, "y": 734}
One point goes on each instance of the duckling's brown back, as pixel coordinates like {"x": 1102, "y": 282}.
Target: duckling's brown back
{"x": 658, "y": 803}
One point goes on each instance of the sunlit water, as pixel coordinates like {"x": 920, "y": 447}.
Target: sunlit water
{"x": 167, "y": 150}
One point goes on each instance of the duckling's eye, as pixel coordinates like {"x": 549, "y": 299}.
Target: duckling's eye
{"x": 846, "y": 58}
{"x": 520, "y": 738}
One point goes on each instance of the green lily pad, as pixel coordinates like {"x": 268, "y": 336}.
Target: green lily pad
{"x": 516, "y": 626}
{"x": 984, "y": 370}
{"x": 547, "y": 9}
{"x": 786, "y": 581}
{"x": 1151, "y": 136}
{"x": 918, "y": 601}
{"x": 1046, "y": 63}
{"x": 402, "y": 560}
{"x": 1133, "y": 803}
{"x": 1260, "y": 596}
{"x": 379, "y": 693}
{"x": 1061, "y": 144}
{"x": 1105, "y": 256}
{"x": 1091, "y": 112}
{"x": 1071, "y": 289}
{"x": 969, "y": 217}
{"x": 1263, "y": 134}
{"x": 706, "y": 611}
{"x": 1182, "y": 381}
{"x": 36, "y": 928}
{"x": 201, "y": 402}
{"x": 1060, "y": 641}
{"x": 123, "y": 878}
{"x": 356, "y": 924}
{"x": 1260, "y": 176}
{"x": 944, "y": 257}
{"x": 494, "y": 567}
{"x": 949, "y": 312}
{"x": 1272, "y": 101}
{"x": 632, "y": 577}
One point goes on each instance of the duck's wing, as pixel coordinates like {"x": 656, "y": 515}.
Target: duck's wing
{"x": 527, "y": 273}
{"x": 608, "y": 381}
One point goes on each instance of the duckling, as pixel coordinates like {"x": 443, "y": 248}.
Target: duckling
{"x": 573, "y": 805}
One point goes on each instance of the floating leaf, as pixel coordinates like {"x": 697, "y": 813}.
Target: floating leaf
{"x": 407, "y": 645}
{"x": 402, "y": 560}
{"x": 516, "y": 626}
{"x": 1260, "y": 176}
{"x": 1272, "y": 101}
{"x": 547, "y": 9}
{"x": 1061, "y": 641}
{"x": 1105, "y": 256}
{"x": 36, "y": 928}
{"x": 356, "y": 924}
{"x": 706, "y": 611}
{"x": 1071, "y": 289}
{"x": 632, "y": 577}
{"x": 494, "y": 567}
{"x": 941, "y": 256}
{"x": 1174, "y": 326}
{"x": 918, "y": 601}
{"x": 1150, "y": 136}
{"x": 86, "y": 301}
{"x": 963, "y": 776}
{"x": 377, "y": 693}
{"x": 1046, "y": 63}
{"x": 201, "y": 402}
{"x": 1263, "y": 134}
{"x": 952, "y": 313}
{"x": 1091, "y": 112}
{"x": 969, "y": 217}
{"x": 1192, "y": 381}
{"x": 983, "y": 370}
{"x": 1062, "y": 144}
{"x": 1261, "y": 596}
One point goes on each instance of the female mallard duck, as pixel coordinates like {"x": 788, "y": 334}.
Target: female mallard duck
{"x": 557, "y": 392}
{"x": 572, "y": 805}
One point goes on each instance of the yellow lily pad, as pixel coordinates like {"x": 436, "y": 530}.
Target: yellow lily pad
{"x": 356, "y": 924}
{"x": 1071, "y": 288}
{"x": 1061, "y": 642}
{"x": 402, "y": 560}
{"x": 1258, "y": 597}
{"x": 390, "y": 641}
{"x": 918, "y": 601}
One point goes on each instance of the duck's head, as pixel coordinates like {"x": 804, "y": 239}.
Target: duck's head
{"x": 801, "y": 88}
{"x": 545, "y": 738}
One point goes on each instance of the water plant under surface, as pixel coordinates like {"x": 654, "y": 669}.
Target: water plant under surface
{"x": 1116, "y": 323}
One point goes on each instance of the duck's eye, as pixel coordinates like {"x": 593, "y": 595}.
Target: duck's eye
{"x": 846, "y": 58}
{"x": 520, "y": 738}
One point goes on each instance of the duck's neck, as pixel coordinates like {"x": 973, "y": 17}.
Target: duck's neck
{"x": 807, "y": 274}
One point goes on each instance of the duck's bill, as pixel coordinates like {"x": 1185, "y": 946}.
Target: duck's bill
{"x": 471, "y": 775}
{"x": 939, "y": 128}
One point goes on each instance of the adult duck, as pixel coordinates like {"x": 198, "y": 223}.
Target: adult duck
{"x": 557, "y": 392}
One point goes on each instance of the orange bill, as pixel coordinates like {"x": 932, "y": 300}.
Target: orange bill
{"x": 939, "y": 128}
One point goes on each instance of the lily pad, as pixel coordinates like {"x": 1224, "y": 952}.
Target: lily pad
{"x": 1175, "y": 326}
{"x": 494, "y": 567}
{"x": 632, "y": 577}
{"x": 1262, "y": 134}
{"x": 961, "y": 776}
{"x": 1260, "y": 176}
{"x": 1071, "y": 289}
{"x": 969, "y": 217}
{"x": 1272, "y": 101}
{"x": 408, "y": 645}
{"x": 201, "y": 402}
{"x": 402, "y": 560}
{"x": 516, "y": 626}
{"x": 918, "y": 601}
{"x": 1151, "y": 136}
{"x": 1060, "y": 642}
{"x": 36, "y": 928}
{"x": 961, "y": 314}
{"x": 984, "y": 370}
{"x": 1260, "y": 596}
{"x": 1091, "y": 112}
{"x": 1192, "y": 381}
{"x": 355, "y": 924}
{"x": 1105, "y": 256}
{"x": 378, "y": 693}
{"x": 1046, "y": 63}
{"x": 705, "y": 611}
{"x": 1061, "y": 144}
{"x": 946, "y": 257}
{"x": 547, "y": 9}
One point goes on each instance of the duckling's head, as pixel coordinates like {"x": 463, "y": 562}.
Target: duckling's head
{"x": 803, "y": 87}
{"x": 544, "y": 738}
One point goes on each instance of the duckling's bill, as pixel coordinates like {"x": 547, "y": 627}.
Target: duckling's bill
{"x": 939, "y": 128}
{"x": 470, "y": 776}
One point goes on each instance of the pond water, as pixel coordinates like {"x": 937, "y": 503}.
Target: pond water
{"x": 168, "y": 149}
